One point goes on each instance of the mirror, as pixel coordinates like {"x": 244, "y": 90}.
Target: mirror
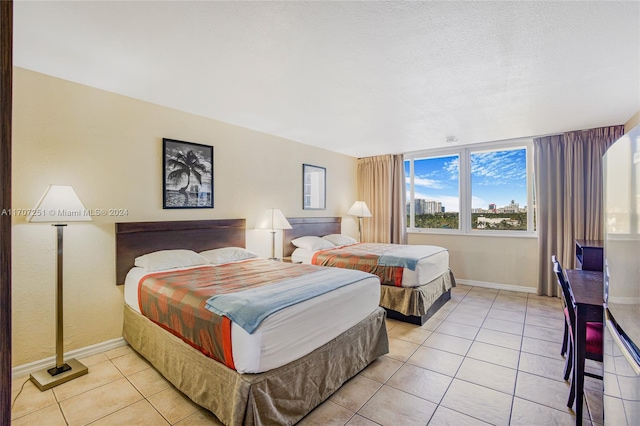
{"x": 314, "y": 192}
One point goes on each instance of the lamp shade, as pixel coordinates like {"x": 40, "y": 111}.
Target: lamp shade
{"x": 59, "y": 204}
{"x": 273, "y": 219}
{"x": 360, "y": 209}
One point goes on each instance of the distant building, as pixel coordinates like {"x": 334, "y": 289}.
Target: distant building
{"x": 422, "y": 206}
{"x": 492, "y": 208}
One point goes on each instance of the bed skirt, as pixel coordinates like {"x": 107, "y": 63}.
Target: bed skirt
{"x": 280, "y": 396}
{"x": 416, "y": 301}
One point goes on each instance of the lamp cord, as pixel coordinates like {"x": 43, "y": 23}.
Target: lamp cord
{"x": 19, "y": 392}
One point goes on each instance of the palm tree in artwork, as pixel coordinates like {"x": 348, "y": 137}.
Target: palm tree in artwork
{"x": 185, "y": 165}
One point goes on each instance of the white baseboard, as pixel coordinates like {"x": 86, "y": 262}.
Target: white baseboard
{"x": 29, "y": 368}
{"x": 509, "y": 287}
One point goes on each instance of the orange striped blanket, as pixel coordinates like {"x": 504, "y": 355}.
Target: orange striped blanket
{"x": 175, "y": 300}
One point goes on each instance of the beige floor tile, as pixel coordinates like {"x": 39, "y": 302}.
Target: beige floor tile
{"x": 420, "y": 382}
{"x": 447, "y": 417}
{"x": 391, "y": 323}
{"x": 149, "y": 382}
{"x": 436, "y": 360}
{"x": 509, "y": 306}
{"x": 390, "y": 406}
{"x": 401, "y": 349}
{"x": 18, "y": 382}
{"x": 410, "y": 332}
{"x": 327, "y": 414}
{"x": 543, "y": 333}
{"x": 98, "y": 375}
{"x": 467, "y": 319}
{"x": 31, "y": 399}
{"x": 49, "y": 416}
{"x": 479, "y": 402}
{"x": 358, "y": 420}
{"x": 471, "y": 308}
{"x": 139, "y": 414}
{"x": 483, "y": 291}
{"x": 529, "y": 413}
{"x": 541, "y": 390}
{"x": 595, "y": 405}
{"x": 122, "y": 350}
{"x": 494, "y": 354}
{"x": 381, "y": 369}
{"x": 93, "y": 359}
{"x": 499, "y": 338}
{"x": 506, "y": 315}
{"x": 432, "y": 323}
{"x": 513, "y": 293}
{"x": 492, "y": 376}
{"x": 546, "y": 311}
{"x": 97, "y": 403}
{"x": 130, "y": 363}
{"x": 504, "y": 326}
{"x": 512, "y": 300}
{"x": 201, "y": 417}
{"x": 458, "y": 330}
{"x": 552, "y": 302}
{"x": 542, "y": 321}
{"x": 445, "y": 342}
{"x": 542, "y": 347}
{"x": 355, "y": 393}
{"x": 173, "y": 404}
{"x": 542, "y": 366}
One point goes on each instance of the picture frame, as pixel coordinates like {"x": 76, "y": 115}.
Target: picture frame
{"x": 187, "y": 175}
{"x": 314, "y": 187}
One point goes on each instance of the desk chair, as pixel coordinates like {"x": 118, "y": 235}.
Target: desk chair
{"x": 593, "y": 348}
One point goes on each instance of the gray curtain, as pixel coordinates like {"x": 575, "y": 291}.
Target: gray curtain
{"x": 381, "y": 184}
{"x": 568, "y": 181}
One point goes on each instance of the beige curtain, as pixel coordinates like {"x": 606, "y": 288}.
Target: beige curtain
{"x": 568, "y": 180}
{"x": 381, "y": 184}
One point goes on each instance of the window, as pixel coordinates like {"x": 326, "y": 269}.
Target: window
{"x": 436, "y": 193}
{"x": 475, "y": 189}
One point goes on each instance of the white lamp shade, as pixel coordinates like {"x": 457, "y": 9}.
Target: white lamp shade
{"x": 273, "y": 219}
{"x": 360, "y": 209}
{"x": 59, "y": 204}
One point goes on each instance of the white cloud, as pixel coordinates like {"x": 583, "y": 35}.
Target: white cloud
{"x": 427, "y": 183}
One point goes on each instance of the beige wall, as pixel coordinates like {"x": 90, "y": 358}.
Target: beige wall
{"x": 508, "y": 262}
{"x": 108, "y": 147}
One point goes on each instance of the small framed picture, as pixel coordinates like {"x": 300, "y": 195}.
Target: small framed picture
{"x": 187, "y": 175}
{"x": 314, "y": 187}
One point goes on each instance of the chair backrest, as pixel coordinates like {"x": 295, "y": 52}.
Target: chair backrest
{"x": 567, "y": 295}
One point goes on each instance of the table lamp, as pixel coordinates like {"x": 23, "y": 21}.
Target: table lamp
{"x": 274, "y": 220}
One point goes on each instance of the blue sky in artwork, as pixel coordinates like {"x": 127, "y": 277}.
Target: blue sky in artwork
{"x": 496, "y": 177}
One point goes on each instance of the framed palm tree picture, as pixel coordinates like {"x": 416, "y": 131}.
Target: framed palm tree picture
{"x": 187, "y": 175}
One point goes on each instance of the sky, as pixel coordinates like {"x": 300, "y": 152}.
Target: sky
{"x": 497, "y": 177}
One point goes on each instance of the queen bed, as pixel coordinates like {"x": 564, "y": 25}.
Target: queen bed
{"x": 269, "y": 372}
{"x": 416, "y": 280}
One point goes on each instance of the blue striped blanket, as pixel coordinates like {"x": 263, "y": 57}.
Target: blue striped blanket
{"x": 250, "y": 307}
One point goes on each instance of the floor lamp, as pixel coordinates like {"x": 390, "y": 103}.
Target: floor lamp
{"x": 360, "y": 209}
{"x": 274, "y": 220}
{"x": 59, "y": 205}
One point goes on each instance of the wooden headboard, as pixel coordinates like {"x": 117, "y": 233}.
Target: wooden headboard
{"x": 134, "y": 239}
{"x": 303, "y": 226}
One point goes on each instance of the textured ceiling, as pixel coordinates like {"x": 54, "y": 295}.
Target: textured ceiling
{"x": 360, "y": 78}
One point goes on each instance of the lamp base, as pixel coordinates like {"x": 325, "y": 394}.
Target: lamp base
{"x": 49, "y": 377}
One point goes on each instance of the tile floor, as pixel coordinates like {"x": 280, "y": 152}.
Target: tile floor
{"x": 487, "y": 357}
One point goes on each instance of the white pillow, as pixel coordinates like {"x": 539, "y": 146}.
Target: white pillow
{"x": 312, "y": 243}
{"x": 227, "y": 254}
{"x": 170, "y": 259}
{"x": 339, "y": 239}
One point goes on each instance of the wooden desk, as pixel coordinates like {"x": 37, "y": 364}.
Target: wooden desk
{"x": 588, "y": 291}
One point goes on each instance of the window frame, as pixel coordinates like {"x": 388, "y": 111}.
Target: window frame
{"x": 464, "y": 189}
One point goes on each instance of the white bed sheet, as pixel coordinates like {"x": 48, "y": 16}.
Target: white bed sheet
{"x": 426, "y": 271}
{"x": 294, "y": 331}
